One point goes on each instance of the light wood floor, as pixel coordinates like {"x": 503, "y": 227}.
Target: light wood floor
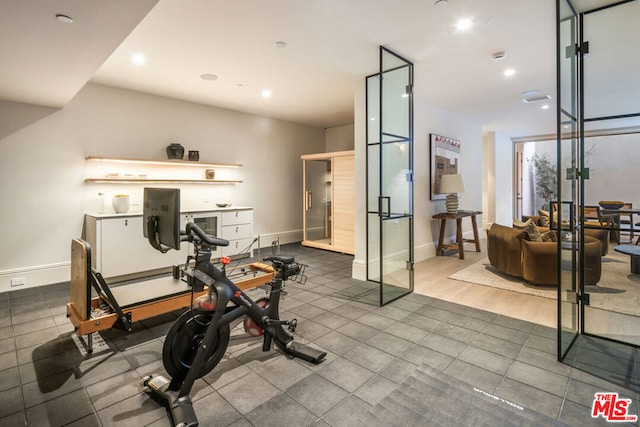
{"x": 431, "y": 279}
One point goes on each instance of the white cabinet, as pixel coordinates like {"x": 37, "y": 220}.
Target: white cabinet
{"x": 119, "y": 247}
{"x": 208, "y": 221}
{"x": 237, "y": 228}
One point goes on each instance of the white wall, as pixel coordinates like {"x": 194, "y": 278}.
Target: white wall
{"x": 427, "y": 119}
{"x": 42, "y": 174}
{"x": 488, "y": 179}
{"x": 609, "y": 159}
{"x": 339, "y": 138}
{"x": 503, "y": 179}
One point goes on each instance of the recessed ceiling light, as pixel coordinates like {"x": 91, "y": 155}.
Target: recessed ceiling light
{"x": 280, "y": 45}
{"x": 64, "y": 18}
{"x": 545, "y": 107}
{"x": 266, "y": 93}
{"x": 441, "y": 2}
{"x": 464, "y": 24}
{"x": 138, "y": 58}
{"x": 208, "y": 77}
{"x": 240, "y": 85}
{"x": 509, "y": 72}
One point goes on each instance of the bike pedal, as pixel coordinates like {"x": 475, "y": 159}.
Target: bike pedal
{"x": 293, "y": 324}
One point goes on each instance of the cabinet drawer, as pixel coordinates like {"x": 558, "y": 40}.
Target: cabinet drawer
{"x": 237, "y": 246}
{"x": 233, "y": 232}
{"x": 236, "y": 217}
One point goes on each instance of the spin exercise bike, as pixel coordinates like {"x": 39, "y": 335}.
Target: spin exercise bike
{"x": 198, "y": 339}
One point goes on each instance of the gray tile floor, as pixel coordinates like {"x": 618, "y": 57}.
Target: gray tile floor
{"x": 48, "y": 379}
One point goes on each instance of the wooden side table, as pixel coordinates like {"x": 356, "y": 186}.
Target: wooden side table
{"x": 458, "y": 246}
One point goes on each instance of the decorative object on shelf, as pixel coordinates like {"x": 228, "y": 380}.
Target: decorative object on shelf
{"x": 194, "y": 155}
{"x": 451, "y": 185}
{"x": 175, "y": 151}
{"x": 121, "y": 203}
{"x": 210, "y": 173}
{"x": 445, "y": 160}
{"x": 223, "y": 205}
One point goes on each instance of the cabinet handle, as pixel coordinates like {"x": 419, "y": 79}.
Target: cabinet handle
{"x": 236, "y": 229}
{"x": 126, "y": 222}
{"x": 236, "y": 245}
{"x": 237, "y": 214}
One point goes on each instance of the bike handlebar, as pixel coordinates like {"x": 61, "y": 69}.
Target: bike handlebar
{"x": 206, "y": 238}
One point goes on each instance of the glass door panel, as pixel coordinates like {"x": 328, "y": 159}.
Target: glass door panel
{"x": 568, "y": 309}
{"x": 611, "y": 85}
{"x": 373, "y": 214}
{"x": 613, "y": 311}
{"x": 317, "y": 201}
{"x": 397, "y": 276}
{"x": 396, "y": 203}
{"x": 611, "y": 91}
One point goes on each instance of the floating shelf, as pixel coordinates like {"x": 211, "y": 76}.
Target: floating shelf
{"x": 172, "y": 181}
{"x": 162, "y": 162}
{"x": 141, "y": 179}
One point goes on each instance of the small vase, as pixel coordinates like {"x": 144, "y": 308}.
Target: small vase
{"x": 175, "y": 151}
{"x": 121, "y": 203}
{"x": 194, "y": 156}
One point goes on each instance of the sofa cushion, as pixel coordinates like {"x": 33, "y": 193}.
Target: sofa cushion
{"x": 530, "y": 227}
{"x": 549, "y": 236}
{"x": 545, "y": 218}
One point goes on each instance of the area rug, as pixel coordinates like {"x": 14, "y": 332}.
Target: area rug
{"x": 618, "y": 290}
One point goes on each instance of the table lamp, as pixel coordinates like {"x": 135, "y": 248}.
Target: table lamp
{"x": 451, "y": 185}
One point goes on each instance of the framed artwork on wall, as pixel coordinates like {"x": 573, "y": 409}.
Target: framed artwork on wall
{"x": 445, "y": 159}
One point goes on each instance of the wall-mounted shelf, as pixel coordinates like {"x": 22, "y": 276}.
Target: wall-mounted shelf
{"x": 172, "y": 181}
{"x": 128, "y": 171}
{"x": 162, "y": 162}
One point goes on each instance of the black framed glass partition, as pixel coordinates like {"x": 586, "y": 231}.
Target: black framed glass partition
{"x": 598, "y": 138}
{"x": 390, "y": 177}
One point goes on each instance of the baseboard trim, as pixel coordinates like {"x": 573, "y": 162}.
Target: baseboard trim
{"x": 35, "y": 276}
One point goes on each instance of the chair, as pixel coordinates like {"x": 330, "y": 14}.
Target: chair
{"x": 592, "y": 213}
{"x": 627, "y": 220}
{"x": 595, "y": 218}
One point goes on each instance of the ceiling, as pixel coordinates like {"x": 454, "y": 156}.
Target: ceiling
{"x": 331, "y": 46}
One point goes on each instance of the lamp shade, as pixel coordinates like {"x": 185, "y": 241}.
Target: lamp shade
{"x": 451, "y": 183}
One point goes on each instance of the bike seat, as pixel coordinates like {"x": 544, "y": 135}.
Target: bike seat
{"x": 285, "y": 259}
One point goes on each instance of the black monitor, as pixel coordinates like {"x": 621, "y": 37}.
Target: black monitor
{"x": 161, "y": 218}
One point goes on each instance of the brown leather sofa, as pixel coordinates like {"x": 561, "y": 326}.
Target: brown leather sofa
{"x": 511, "y": 252}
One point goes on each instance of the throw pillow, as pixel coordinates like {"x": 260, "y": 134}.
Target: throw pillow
{"x": 545, "y": 219}
{"x": 549, "y": 236}
{"x": 530, "y": 227}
